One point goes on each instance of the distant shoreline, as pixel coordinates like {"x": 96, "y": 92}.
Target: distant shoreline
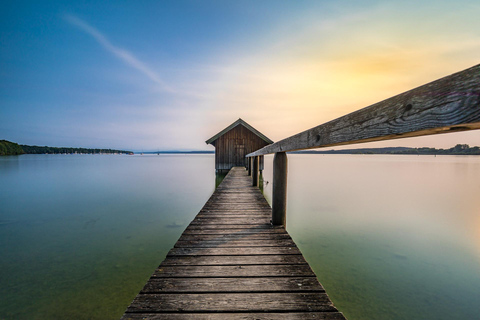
{"x": 177, "y": 152}
{"x": 11, "y": 148}
{"x": 459, "y": 149}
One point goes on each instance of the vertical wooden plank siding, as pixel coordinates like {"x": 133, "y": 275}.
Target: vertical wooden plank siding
{"x": 231, "y": 263}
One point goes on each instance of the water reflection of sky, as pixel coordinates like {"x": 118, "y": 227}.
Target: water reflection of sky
{"x": 81, "y": 234}
{"x": 390, "y": 237}
{"x": 401, "y": 226}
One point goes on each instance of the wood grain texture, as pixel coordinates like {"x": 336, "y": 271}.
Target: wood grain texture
{"x": 236, "y": 316}
{"x": 232, "y": 263}
{"x": 239, "y": 214}
{"x": 232, "y": 227}
{"x": 228, "y": 243}
{"x": 232, "y": 302}
{"x": 236, "y": 285}
{"x": 232, "y": 230}
{"x": 245, "y": 237}
{"x": 235, "y": 271}
{"x": 234, "y": 260}
{"x": 242, "y": 251}
{"x": 450, "y": 104}
{"x": 234, "y": 221}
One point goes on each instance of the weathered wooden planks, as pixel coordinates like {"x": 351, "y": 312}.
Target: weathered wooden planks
{"x": 236, "y": 236}
{"x": 237, "y": 316}
{"x": 232, "y": 263}
{"x": 234, "y": 260}
{"x": 240, "y": 251}
{"x": 232, "y": 302}
{"x": 236, "y": 271}
{"x": 227, "y": 243}
{"x": 253, "y": 284}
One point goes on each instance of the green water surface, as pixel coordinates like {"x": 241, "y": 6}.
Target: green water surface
{"x": 81, "y": 234}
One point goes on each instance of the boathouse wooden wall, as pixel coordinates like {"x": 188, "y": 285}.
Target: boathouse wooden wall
{"x": 232, "y": 147}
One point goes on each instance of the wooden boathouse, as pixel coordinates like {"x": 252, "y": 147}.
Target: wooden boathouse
{"x": 234, "y": 142}
{"x": 236, "y": 261}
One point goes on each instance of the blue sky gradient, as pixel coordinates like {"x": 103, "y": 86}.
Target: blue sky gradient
{"x": 147, "y": 75}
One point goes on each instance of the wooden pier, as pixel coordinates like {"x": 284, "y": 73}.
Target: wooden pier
{"x": 232, "y": 263}
{"x": 236, "y": 261}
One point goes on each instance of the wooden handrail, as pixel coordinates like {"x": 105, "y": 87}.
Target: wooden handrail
{"x": 449, "y": 104}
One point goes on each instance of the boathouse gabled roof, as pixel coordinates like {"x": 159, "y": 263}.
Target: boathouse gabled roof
{"x": 233, "y": 125}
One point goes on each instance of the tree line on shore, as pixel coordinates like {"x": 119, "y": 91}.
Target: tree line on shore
{"x": 11, "y": 148}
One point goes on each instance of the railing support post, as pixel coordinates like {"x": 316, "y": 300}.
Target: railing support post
{"x": 255, "y": 171}
{"x": 279, "y": 193}
{"x": 249, "y": 159}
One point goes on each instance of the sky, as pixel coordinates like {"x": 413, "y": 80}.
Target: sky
{"x": 164, "y": 75}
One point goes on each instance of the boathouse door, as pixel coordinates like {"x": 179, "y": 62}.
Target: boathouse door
{"x": 239, "y": 155}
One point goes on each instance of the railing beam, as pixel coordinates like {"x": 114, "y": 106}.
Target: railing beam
{"x": 279, "y": 192}
{"x": 450, "y": 104}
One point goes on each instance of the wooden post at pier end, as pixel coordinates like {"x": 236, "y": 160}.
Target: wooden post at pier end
{"x": 249, "y": 166}
{"x": 279, "y": 193}
{"x": 255, "y": 176}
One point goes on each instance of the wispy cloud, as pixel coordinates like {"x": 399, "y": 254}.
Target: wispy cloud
{"x": 122, "y": 54}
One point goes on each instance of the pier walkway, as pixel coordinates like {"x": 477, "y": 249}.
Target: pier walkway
{"x": 231, "y": 263}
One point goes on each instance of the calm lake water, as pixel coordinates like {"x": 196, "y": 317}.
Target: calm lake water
{"x": 390, "y": 237}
